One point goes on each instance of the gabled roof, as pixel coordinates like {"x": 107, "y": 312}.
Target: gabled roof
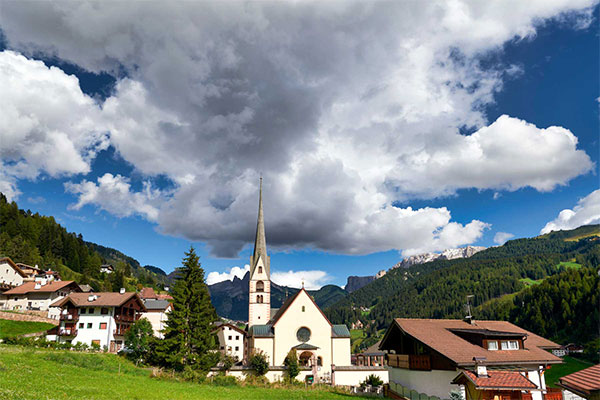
{"x": 437, "y": 334}
{"x": 102, "y": 299}
{"x": 305, "y": 346}
{"x": 30, "y": 287}
{"x": 340, "y": 331}
{"x": 289, "y": 302}
{"x": 14, "y": 266}
{"x": 148, "y": 293}
{"x": 583, "y": 382}
{"x": 235, "y": 328}
{"x": 156, "y": 305}
{"x": 507, "y": 380}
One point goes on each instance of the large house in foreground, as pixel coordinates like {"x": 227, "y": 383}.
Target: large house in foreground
{"x": 97, "y": 318}
{"x": 483, "y": 359}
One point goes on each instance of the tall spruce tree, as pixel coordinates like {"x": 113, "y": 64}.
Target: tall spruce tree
{"x": 188, "y": 337}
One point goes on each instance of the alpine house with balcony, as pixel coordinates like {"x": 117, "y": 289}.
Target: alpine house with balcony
{"x": 482, "y": 359}
{"x": 97, "y": 318}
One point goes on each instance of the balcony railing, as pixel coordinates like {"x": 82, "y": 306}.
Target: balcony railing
{"x": 72, "y": 316}
{"x": 67, "y": 332}
{"x": 410, "y": 361}
{"x": 125, "y": 318}
{"x": 121, "y": 331}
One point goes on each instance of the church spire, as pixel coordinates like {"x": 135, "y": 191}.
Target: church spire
{"x": 260, "y": 241}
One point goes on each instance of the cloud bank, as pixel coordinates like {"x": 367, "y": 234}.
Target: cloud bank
{"x": 349, "y": 110}
{"x": 586, "y": 212}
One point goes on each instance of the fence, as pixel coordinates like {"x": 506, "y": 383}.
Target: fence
{"x": 409, "y": 393}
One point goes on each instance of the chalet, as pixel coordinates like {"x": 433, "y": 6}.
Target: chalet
{"x": 157, "y": 311}
{"x": 37, "y": 295}
{"x": 107, "y": 269}
{"x": 232, "y": 340}
{"x": 10, "y": 274}
{"x": 584, "y": 384}
{"x": 483, "y": 359}
{"x": 97, "y": 318}
{"x": 30, "y": 271}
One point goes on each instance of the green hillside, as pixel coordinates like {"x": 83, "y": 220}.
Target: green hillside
{"x": 32, "y": 239}
{"x": 438, "y": 289}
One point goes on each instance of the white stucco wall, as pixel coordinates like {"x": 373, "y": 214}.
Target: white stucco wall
{"x": 567, "y": 395}
{"x": 266, "y": 346}
{"x": 432, "y": 383}
{"x": 158, "y": 320}
{"x": 39, "y": 301}
{"x": 87, "y": 335}
{"x": 293, "y": 319}
{"x": 9, "y": 276}
{"x": 341, "y": 351}
{"x": 233, "y": 346}
{"x": 354, "y": 378}
{"x": 259, "y": 313}
{"x": 537, "y": 377}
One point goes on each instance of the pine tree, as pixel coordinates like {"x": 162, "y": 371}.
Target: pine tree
{"x": 188, "y": 336}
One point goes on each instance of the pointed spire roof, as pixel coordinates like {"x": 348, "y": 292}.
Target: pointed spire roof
{"x": 260, "y": 241}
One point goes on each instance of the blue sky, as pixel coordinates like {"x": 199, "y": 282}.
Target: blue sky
{"x": 546, "y": 78}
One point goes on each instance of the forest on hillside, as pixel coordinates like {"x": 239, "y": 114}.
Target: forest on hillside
{"x": 32, "y": 239}
{"x": 438, "y": 289}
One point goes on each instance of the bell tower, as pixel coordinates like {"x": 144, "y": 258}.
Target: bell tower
{"x": 259, "y": 305}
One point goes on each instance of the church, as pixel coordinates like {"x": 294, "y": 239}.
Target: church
{"x": 298, "y": 325}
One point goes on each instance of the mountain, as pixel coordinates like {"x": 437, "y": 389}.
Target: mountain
{"x": 356, "y": 282}
{"x": 230, "y": 298}
{"x": 448, "y": 254}
{"x": 438, "y": 289}
{"x": 156, "y": 270}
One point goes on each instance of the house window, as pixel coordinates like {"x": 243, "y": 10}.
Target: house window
{"x": 82, "y": 311}
{"x": 104, "y": 311}
{"x": 102, "y": 325}
{"x": 492, "y": 345}
{"x": 260, "y": 286}
{"x": 229, "y": 337}
{"x": 222, "y": 347}
{"x": 237, "y": 337}
{"x": 81, "y": 325}
{"x": 90, "y": 310}
{"x": 89, "y": 325}
{"x": 320, "y": 361}
{"x": 237, "y": 348}
{"x": 510, "y": 345}
{"x": 97, "y": 342}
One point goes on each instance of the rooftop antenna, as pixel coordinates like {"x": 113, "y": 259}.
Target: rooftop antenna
{"x": 469, "y": 317}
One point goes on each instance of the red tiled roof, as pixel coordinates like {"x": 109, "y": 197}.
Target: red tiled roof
{"x": 499, "y": 380}
{"x": 29, "y": 287}
{"x": 108, "y": 299}
{"x": 148, "y": 293}
{"x": 437, "y": 334}
{"x": 584, "y": 381}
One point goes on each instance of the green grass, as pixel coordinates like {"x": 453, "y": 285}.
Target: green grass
{"x": 569, "y": 264}
{"x": 530, "y": 282}
{"x": 10, "y": 328}
{"x": 356, "y": 333}
{"x": 569, "y": 366}
{"x": 27, "y": 373}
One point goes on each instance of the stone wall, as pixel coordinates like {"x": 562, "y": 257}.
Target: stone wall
{"x": 33, "y": 316}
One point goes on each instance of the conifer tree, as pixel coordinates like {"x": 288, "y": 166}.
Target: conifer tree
{"x": 188, "y": 336}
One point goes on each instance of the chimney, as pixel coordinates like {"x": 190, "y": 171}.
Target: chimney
{"x": 481, "y": 368}
{"x": 122, "y": 291}
{"x": 37, "y": 286}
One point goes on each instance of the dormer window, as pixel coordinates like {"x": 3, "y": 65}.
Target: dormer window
{"x": 492, "y": 345}
{"x": 510, "y": 345}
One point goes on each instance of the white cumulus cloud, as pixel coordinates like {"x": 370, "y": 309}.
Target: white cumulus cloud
{"x": 216, "y": 277}
{"x": 586, "y": 212}
{"x": 312, "y": 279}
{"x": 502, "y": 237}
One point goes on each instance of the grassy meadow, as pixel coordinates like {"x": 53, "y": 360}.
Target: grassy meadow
{"x": 27, "y": 374}
{"x": 9, "y": 328}
{"x": 568, "y": 366}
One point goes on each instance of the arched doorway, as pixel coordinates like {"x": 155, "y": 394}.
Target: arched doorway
{"x": 304, "y": 358}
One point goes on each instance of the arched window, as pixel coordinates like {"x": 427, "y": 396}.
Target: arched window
{"x": 260, "y": 270}
{"x": 260, "y": 286}
{"x": 259, "y": 298}
{"x": 319, "y": 361}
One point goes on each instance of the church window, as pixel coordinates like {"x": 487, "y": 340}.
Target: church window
{"x": 320, "y": 361}
{"x": 303, "y": 334}
{"x": 303, "y": 308}
{"x": 260, "y": 270}
{"x": 259, "y": 298}
{"x": 260, "y": 286}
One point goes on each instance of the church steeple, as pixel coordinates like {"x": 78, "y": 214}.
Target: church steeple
{"x": 260, "y": 241}
{"x": 259, "y": 302}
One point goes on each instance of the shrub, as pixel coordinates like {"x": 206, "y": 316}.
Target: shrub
{"x": 258, "y": 361}
{"x": 193, "y": 375}
{"x": 223, "y": 380}
{"x": 372, "y": 380}
{"x": 292, "y": 366}
{"x": 95, "y": 347}
{"x": 227, "y": 361}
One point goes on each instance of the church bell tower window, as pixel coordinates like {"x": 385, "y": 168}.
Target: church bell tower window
{"x": 260, "y": 286}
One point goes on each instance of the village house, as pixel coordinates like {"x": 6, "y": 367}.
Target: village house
{"x": 157, "y": 312}
{"x": 97, "y": 318}
{"x": 584, "y": 384}
{"x": 107, "y": 269}
{"x": 10, "y": 274}
{"x": 232, "y": 340}
{"x": 37, "y": 296}
{"x": 483, "y": 359}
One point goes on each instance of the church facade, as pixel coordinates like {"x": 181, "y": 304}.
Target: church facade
{"x": 299, "y": 324}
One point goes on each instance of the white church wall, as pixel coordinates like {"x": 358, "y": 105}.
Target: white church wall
{"x": 266, "y": 346}
{"x": 341, "y": 351}
{"x": 293, "y": 319}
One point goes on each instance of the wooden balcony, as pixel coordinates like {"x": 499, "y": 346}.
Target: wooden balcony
{"x": 121, "y": 331}
{"x": 409, "y": 361}
{"x": 72, "y": 315}
{"x": 67, "y": 332}
{"x": 125, "y": 318}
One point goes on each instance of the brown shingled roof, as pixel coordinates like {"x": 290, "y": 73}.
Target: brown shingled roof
{"x": 511, "y": 380}
{"x": 583, "y": 382}
{"x": 437, "y": 334}
{"x": 13, "y": 265}
{"x": 29, "y": 287}
{"x": 107, "y": 299}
